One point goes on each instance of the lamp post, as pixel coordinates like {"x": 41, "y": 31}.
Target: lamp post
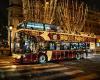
{"x": 10, "y": 28}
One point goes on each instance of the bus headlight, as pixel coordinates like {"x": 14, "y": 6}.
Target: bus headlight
{"x": 23, "y": 56}
{"x": 18, "y": 57}
{"x": 43, "y": 51}
{"x": 84, "y": 50}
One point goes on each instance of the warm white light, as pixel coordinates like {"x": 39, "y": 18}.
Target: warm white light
{"x": 13, "y": 66}
{"x": 10, "y": 27}
{"x": 47, "y": 3}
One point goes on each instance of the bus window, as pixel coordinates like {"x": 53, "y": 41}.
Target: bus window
{"x": 51, "y": 28}
{"x": 82, "y": 45}
{"x": 21, "y": 26}
{"x": 66, "y": 46}
{"x": 16, "y": 43}
{"x": 58, "y": 46}
{"x": 87, "y": 45}
{"x": 42, "y": 46}
{"x": 98, "y": 44}
{"x": 51, "y": 45}
{"x": 74, "y": 46}
{"x": 31, "y": 25}
{"x": 62, "y": 46}
{"x": 24, "y": 43}
{"x": 47, "y": 27}
{"x": 38, "y": 26}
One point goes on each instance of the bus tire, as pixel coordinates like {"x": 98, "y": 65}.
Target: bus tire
{"x": 84, "y": 55}
{"x": 78, "y": 56}
{"x": 42, "y": 59}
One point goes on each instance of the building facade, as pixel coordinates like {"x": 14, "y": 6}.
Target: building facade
{"x": 15, "y": 16}
{"x": 93, "y": 22}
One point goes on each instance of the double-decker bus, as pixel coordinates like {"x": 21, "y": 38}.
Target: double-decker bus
{"x": 37, "y": 42}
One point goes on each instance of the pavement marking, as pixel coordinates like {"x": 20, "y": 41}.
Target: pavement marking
{"x": 73, "y": 72}
{"x": 37, "y": 66}
{"x": 52, "y": 70}
{"x": 3, "y": 62}
{"x": 86, "y": 77}
{"x": 61, "y": 74}
{"x": 12, "y": 68}
{"x": 43, "y": 77}
{"x": 47, "y": 66}
{"x": 10, "y": 74}
{"x": 17, "y": 74}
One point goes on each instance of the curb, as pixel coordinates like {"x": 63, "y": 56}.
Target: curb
{"x": 96, "y": 54}
{"x": 1, "y": 57}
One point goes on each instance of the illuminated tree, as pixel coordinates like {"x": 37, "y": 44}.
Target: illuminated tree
{"x": 71, "y": 15}
{"x": 39, "y": 10}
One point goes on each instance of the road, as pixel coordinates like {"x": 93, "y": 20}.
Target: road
{"x": 88, "y": 69}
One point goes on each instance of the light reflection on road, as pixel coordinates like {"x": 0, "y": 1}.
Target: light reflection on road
{"x": 59, "y": 70}
{"x": 13, "y": 66}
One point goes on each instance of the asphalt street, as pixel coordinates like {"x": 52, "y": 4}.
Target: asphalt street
{"x": 84, "y": 69}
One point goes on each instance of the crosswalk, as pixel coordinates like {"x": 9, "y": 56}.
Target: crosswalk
{"x": 49, "y": 71}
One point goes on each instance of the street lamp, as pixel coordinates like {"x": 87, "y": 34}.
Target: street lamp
{"x": 47, "y": 3}
{"x": 10, "y": 28}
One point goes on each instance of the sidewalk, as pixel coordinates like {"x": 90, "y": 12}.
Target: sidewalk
{"x": 97, "y": 53}
{"x": 5, "y": 57}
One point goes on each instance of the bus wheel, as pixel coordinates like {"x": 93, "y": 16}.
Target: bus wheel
{"x": 78, "y": 56}
{"x": 42, "y": 59}
{"x": 84, "y": 56}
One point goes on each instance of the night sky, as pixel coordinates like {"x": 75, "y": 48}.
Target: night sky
{"x": 3, "y": 12}
{"x": 93, "y": 4}
{"x": 3, "y": 19}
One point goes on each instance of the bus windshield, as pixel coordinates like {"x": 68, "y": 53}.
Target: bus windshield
{"x": 37, "y": 26}
{"x": 24, "y": 43}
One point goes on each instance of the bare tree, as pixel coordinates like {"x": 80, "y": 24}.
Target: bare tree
{"x": 71, "y": 15}
{"x": 39, "y": 10}
{"x": 26, "y": 9}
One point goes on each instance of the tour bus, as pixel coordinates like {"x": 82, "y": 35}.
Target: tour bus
{"x": 38, "y": 42}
